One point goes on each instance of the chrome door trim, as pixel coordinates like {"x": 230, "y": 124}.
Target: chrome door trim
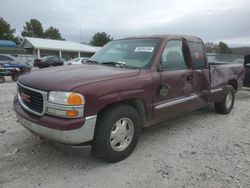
{"x": 178, "y": 101}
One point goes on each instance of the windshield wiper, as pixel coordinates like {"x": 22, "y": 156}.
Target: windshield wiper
{"x": 117, "y": 64}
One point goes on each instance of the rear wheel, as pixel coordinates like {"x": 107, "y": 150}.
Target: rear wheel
{"x": 117, "y": 133}
{"x": 2, "y": 79}
{"x": 226, "y": 105}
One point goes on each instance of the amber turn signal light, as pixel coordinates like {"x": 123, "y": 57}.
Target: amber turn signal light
{"x": 72, "y": 113}
{"x": 75, "y": 99}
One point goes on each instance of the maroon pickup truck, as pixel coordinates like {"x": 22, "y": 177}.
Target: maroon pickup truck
{"x": 129, "y": 84}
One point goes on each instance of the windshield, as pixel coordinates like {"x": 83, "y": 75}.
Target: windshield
{"x": 130, "y": 53}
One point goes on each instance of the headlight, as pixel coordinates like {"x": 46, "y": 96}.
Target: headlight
{"x": 65, "y": 104}
{"x": 66, "y": 98}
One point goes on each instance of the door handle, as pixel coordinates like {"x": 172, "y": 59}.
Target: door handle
{"x": 189, "y": 78}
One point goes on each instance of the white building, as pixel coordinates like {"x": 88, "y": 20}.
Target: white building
{"x": 66, "y": 49}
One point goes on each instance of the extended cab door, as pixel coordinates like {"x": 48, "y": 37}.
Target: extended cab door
{"x": 200, "y": 72}
{"x": 175, "y": 90}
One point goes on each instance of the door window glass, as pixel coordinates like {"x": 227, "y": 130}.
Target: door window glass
{"x": 172, "y": 57}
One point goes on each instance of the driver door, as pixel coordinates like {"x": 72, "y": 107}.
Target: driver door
{"x": 175, "y": 89}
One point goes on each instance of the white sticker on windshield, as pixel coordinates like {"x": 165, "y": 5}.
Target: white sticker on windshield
{"x": 144, "y": 49}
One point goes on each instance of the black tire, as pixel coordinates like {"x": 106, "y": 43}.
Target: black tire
{"x": 2, "y": 79}
{"x": 14, "y": 77}
{"x": 227, "y": 103}
{"x": 106, "y": 123}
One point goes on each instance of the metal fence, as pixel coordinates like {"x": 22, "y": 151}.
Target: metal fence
{"x": 224, "y": 58}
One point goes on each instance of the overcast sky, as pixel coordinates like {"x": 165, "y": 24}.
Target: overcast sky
{"x": 78, "y": 20}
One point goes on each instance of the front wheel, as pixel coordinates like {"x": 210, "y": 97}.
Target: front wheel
{"x": 226, "y": 105}
{"x": 117, "y": 133}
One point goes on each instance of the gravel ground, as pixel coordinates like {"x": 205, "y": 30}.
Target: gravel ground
{"x": 200, "y": 149}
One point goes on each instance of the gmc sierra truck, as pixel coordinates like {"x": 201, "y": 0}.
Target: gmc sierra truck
{"x": 129, "y": 84}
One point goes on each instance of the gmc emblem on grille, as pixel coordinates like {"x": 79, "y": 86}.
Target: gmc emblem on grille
{"x": 24, "y": 97}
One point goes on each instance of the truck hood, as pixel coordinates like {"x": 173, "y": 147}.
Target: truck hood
{"x": 66, "y": 78}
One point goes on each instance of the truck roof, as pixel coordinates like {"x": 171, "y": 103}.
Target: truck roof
{"x": 168, "y": 36}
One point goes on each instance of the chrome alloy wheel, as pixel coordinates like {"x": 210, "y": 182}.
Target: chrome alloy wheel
{"x": 121, "y": 134}
{"x": 229, "y": 100}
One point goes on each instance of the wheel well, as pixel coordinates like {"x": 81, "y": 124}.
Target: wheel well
{"x": 138, "y": 104}
{"x": 233, "y": 83}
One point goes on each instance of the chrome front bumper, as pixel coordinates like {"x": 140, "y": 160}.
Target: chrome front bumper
{"x": 70, "y": 137}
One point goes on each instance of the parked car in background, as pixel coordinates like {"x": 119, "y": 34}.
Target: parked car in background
{"x": 9, "y": 59}
{"x": 49, "y": 61}
{"x": 77, "y": 61}
{"x": 11, "y": 65}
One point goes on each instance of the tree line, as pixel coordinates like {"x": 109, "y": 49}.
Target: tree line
{"x": 222, "y": 48}
{"x": 34, "y": 28}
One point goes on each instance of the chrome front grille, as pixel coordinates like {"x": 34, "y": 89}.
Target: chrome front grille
{"x": 32, "y": 100}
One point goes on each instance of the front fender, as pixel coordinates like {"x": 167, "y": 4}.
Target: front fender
{"x": 100, "y": 94}
{"x": 114, "y": 98}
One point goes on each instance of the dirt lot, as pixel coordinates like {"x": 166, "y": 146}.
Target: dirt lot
{"x": 200, "y": 149}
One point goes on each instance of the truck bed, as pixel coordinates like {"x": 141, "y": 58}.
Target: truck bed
{"x": 220, "y": 74}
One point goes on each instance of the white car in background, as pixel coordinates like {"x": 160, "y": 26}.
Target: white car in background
{"x": 77, "y": 61}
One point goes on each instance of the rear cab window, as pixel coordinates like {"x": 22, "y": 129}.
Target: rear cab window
{"x": 197, "y": 55}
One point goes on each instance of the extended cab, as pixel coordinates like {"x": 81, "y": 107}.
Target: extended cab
{"x": 129, "y": 84}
